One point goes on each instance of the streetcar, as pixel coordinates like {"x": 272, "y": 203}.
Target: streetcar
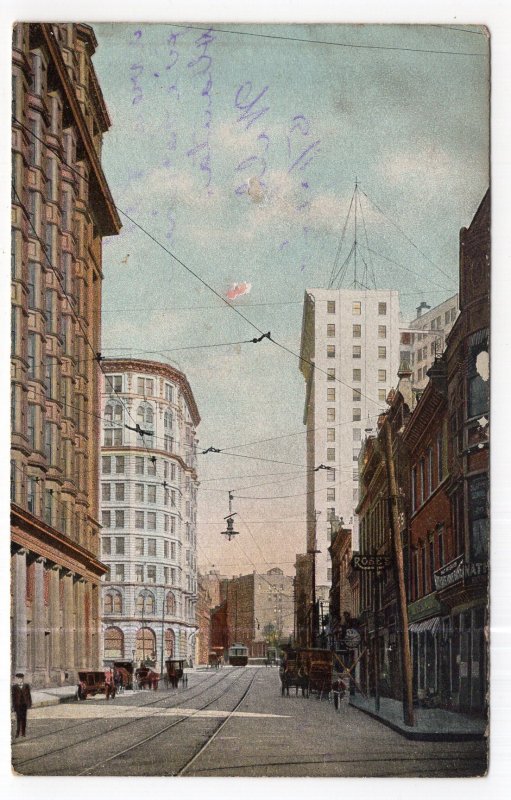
{"x": 238, "y": 655}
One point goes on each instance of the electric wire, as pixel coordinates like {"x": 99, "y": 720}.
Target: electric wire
{"x": 330, "y": 43}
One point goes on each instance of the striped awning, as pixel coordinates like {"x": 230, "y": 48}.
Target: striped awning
{"x": 432, "y": 625}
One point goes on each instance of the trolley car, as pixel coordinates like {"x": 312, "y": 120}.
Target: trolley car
{"x": 238, "y": 655}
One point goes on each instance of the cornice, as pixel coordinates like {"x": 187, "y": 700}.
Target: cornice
{"x": 31, "y": 532}
{"x": 148, "y": 367}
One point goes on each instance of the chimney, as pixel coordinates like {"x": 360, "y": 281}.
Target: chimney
{"x": 405, "y": 384}
{"x": 421, "y": 308}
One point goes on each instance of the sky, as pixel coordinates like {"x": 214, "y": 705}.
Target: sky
{"x": 239, "y": 153}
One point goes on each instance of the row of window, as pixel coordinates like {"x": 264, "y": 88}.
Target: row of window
{"x": 424, "y": 561}
{"x": 428, "y": 472}
{"x": 144, "y": 520}
{"x": 144, "y": 573}
{"x": 357, "y": 352}
{"x": 143, "y": 493}
{"x": 357, "y": 377}
{"x": 356, "y": 308}
{"x": 356, "y": 331}
{"x": 143, "y": 547}
{"x": 145, "y": 387}
{"x": 116, "y": 465}
{"x": 145, "y": 603}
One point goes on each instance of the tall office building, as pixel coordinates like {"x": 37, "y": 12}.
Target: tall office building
{"x": 351, "y": 336}
{"x": 61, "y": 210}
{"x": 148, "y": 512}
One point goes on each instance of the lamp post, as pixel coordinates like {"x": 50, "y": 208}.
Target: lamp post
{"x": 162, "y": 629}
{"x": 143, "y": 594}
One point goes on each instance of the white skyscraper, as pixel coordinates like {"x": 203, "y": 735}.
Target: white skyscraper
{"x": 352, "y": 338}
{"x": 148, "y": 512}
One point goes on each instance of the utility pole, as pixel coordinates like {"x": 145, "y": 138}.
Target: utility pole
{"x": 376, "y": 651}
{"x": 313, "y": 554}
{"x": 397, "y": 547}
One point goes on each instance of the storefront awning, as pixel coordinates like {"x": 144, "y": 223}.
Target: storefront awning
{"x": 432, "y": 625}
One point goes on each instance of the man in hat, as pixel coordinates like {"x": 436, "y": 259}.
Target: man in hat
{"x": 21, "y": 702}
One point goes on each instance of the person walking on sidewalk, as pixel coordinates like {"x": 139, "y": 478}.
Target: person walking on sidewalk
{"x": 21, "y": 702}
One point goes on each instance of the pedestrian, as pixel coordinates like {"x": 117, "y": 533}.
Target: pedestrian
{"x": 21, "y": 702}
{"x": 109, "y": 685}
{"x": 117, "y": 681}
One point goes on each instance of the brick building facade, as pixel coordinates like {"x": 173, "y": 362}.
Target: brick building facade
{"x": 61, "y": 210}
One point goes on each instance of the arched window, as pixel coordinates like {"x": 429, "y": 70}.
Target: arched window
{"x": 114, "y": 643}
{"x": 170, "y": 603}
{"x": 113, "y": 603}
{"x": 169, "y": 642}
{"x": 145, "y": 419}
{"x": 113, "y": 424}
{"x": 145, "y": 604}
{"x": 146, "y": 645}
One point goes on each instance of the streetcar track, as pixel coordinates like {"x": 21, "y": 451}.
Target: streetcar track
{"x": 175, "y": 693}
{"x": 131, "y": 721}
{"x": 163, "y": 730}
{"x": 216, "y": 732}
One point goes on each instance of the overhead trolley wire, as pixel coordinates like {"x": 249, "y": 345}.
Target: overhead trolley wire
{"x": 330, "y": 43}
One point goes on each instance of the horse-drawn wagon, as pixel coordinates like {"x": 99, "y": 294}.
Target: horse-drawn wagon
{"x": 93, "y": 682}
{"x": 123, "y": 674}
{"x": 213, "y": 659}
{"x": 318, "y": 664}
{"x": 146, "y": 678}
{"x": 176, "y": 672}
{"x": 293, "y": 672}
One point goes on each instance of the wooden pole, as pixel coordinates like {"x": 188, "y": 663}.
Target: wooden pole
{"x": 397, "y": 547}
{"x": 376, "y": 651}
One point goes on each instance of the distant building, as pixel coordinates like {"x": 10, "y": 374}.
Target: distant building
{"x": 61, "y": 210}
{"x": 148, "y": 511}
{"x": 260, "y": 607}
{"x": 343, "y": 592}
{"x": 425, "y": 338}
{"x": 352, "y": 338}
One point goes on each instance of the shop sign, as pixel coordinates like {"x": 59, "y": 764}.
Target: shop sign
{"x": 449, "y": 574}
{"x": 367, "y": 562}
{"x": 425, "y": 607}
{"x": 476, "y": 569}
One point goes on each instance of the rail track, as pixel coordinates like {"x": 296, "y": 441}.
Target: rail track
{"x": 161, "y": 701}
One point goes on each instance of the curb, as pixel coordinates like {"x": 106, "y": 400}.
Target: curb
{"x": 55, "y": 700}
{"x": 424, "y": 736}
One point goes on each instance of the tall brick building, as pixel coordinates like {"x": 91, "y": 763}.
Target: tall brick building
{"x": 61, "y": 210}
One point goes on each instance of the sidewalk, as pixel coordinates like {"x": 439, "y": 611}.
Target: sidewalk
{"x": 53, "y": 696}
{"x": 431, "y": 724}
